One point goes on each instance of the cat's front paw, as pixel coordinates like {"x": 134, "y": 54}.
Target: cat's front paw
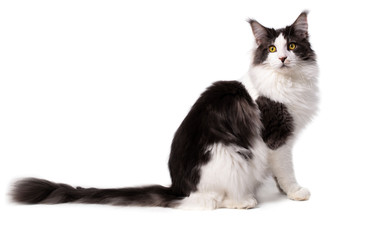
{"x": 302, "y": 194}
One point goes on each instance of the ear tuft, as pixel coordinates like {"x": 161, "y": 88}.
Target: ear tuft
{"x": 301, "y": 25}
{"x": 258, "y": 30}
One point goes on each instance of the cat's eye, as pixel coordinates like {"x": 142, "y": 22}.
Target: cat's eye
{"x": 292, "y": 46}
{"x": 272, "y": 48}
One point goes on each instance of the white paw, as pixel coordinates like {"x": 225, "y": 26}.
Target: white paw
{"x": 246, "y": 204}
{"x": 301, "y": 194}
{"x": 249, "y": 203}
{"x": 200, "y": 201}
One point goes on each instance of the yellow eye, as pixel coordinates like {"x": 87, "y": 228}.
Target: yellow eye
{"x": 272, "y": 48}
{"x": 292, "y": 46}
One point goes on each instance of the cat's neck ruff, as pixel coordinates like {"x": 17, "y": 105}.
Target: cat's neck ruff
{"x": 296, "y": 88}
{"x": 287, "y": 86}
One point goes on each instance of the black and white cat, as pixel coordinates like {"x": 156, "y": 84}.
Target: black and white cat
{"x": 284, "y": 71}
{"x": 234, "y": 136}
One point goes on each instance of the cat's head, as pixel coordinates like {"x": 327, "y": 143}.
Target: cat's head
{"x": 285, "y": 49}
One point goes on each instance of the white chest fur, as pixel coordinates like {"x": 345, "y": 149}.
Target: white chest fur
{"x": 297, "y": 89}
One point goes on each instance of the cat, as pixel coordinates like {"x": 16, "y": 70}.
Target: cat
{"x": 234, "y": 137}
{"x": 284, "y": 76}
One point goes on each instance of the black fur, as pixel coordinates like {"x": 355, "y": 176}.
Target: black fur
{"x": 224, "y": 113}
{"x": 291, "y": 34}
{"x": 33, "y": 190}
{"x": 278, "y": 124}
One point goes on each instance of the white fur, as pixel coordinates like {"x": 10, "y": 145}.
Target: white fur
{"x": 296, "y": 87}
{"x": 229, "y": 180}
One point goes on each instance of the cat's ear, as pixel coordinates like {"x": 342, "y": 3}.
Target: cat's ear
{"x": 300, "y": 25}
{"x": 258, "y": 30}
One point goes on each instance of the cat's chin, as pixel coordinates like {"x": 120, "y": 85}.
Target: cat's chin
{"x": 284, "y": 69}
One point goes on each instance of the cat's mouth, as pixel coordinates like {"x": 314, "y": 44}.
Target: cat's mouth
{"x": 284, "y": 66}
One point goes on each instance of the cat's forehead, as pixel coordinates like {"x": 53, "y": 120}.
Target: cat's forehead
{"x": 281, "y": 34}
{"x": 280, "y": 40}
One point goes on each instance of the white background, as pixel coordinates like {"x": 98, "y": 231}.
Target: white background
{"x": 91, "y": 93}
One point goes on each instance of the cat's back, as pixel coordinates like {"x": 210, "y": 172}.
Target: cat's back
{"x": 224, "y": 115}
{"x": 221, "y": 90}
{"x": 224, "y": 106}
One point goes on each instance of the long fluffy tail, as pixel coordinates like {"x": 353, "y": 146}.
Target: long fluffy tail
{"x": 40, "y": 191}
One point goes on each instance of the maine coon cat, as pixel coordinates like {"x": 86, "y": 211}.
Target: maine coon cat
{"x": 234, "y": 136}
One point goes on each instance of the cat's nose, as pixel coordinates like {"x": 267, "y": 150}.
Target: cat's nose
{"x": 282, "y": 59}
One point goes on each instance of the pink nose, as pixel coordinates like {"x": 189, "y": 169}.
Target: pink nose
{"x": 282, "y": 59}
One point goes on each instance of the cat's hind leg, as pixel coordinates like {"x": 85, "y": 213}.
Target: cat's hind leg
{"x": 201, "y": 201}
{"x": 247, "y": 203}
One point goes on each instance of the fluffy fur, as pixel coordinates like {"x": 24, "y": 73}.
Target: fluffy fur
{"x": 230, "y": 139}
{"x": 277, "y": 121}
{"x": 34, "y": 191}
{"x": 292, "y": 83}
{"x": 217, "y": 154}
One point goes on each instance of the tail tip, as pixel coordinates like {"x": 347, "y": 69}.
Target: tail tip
{"x": 31, "y": 190}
